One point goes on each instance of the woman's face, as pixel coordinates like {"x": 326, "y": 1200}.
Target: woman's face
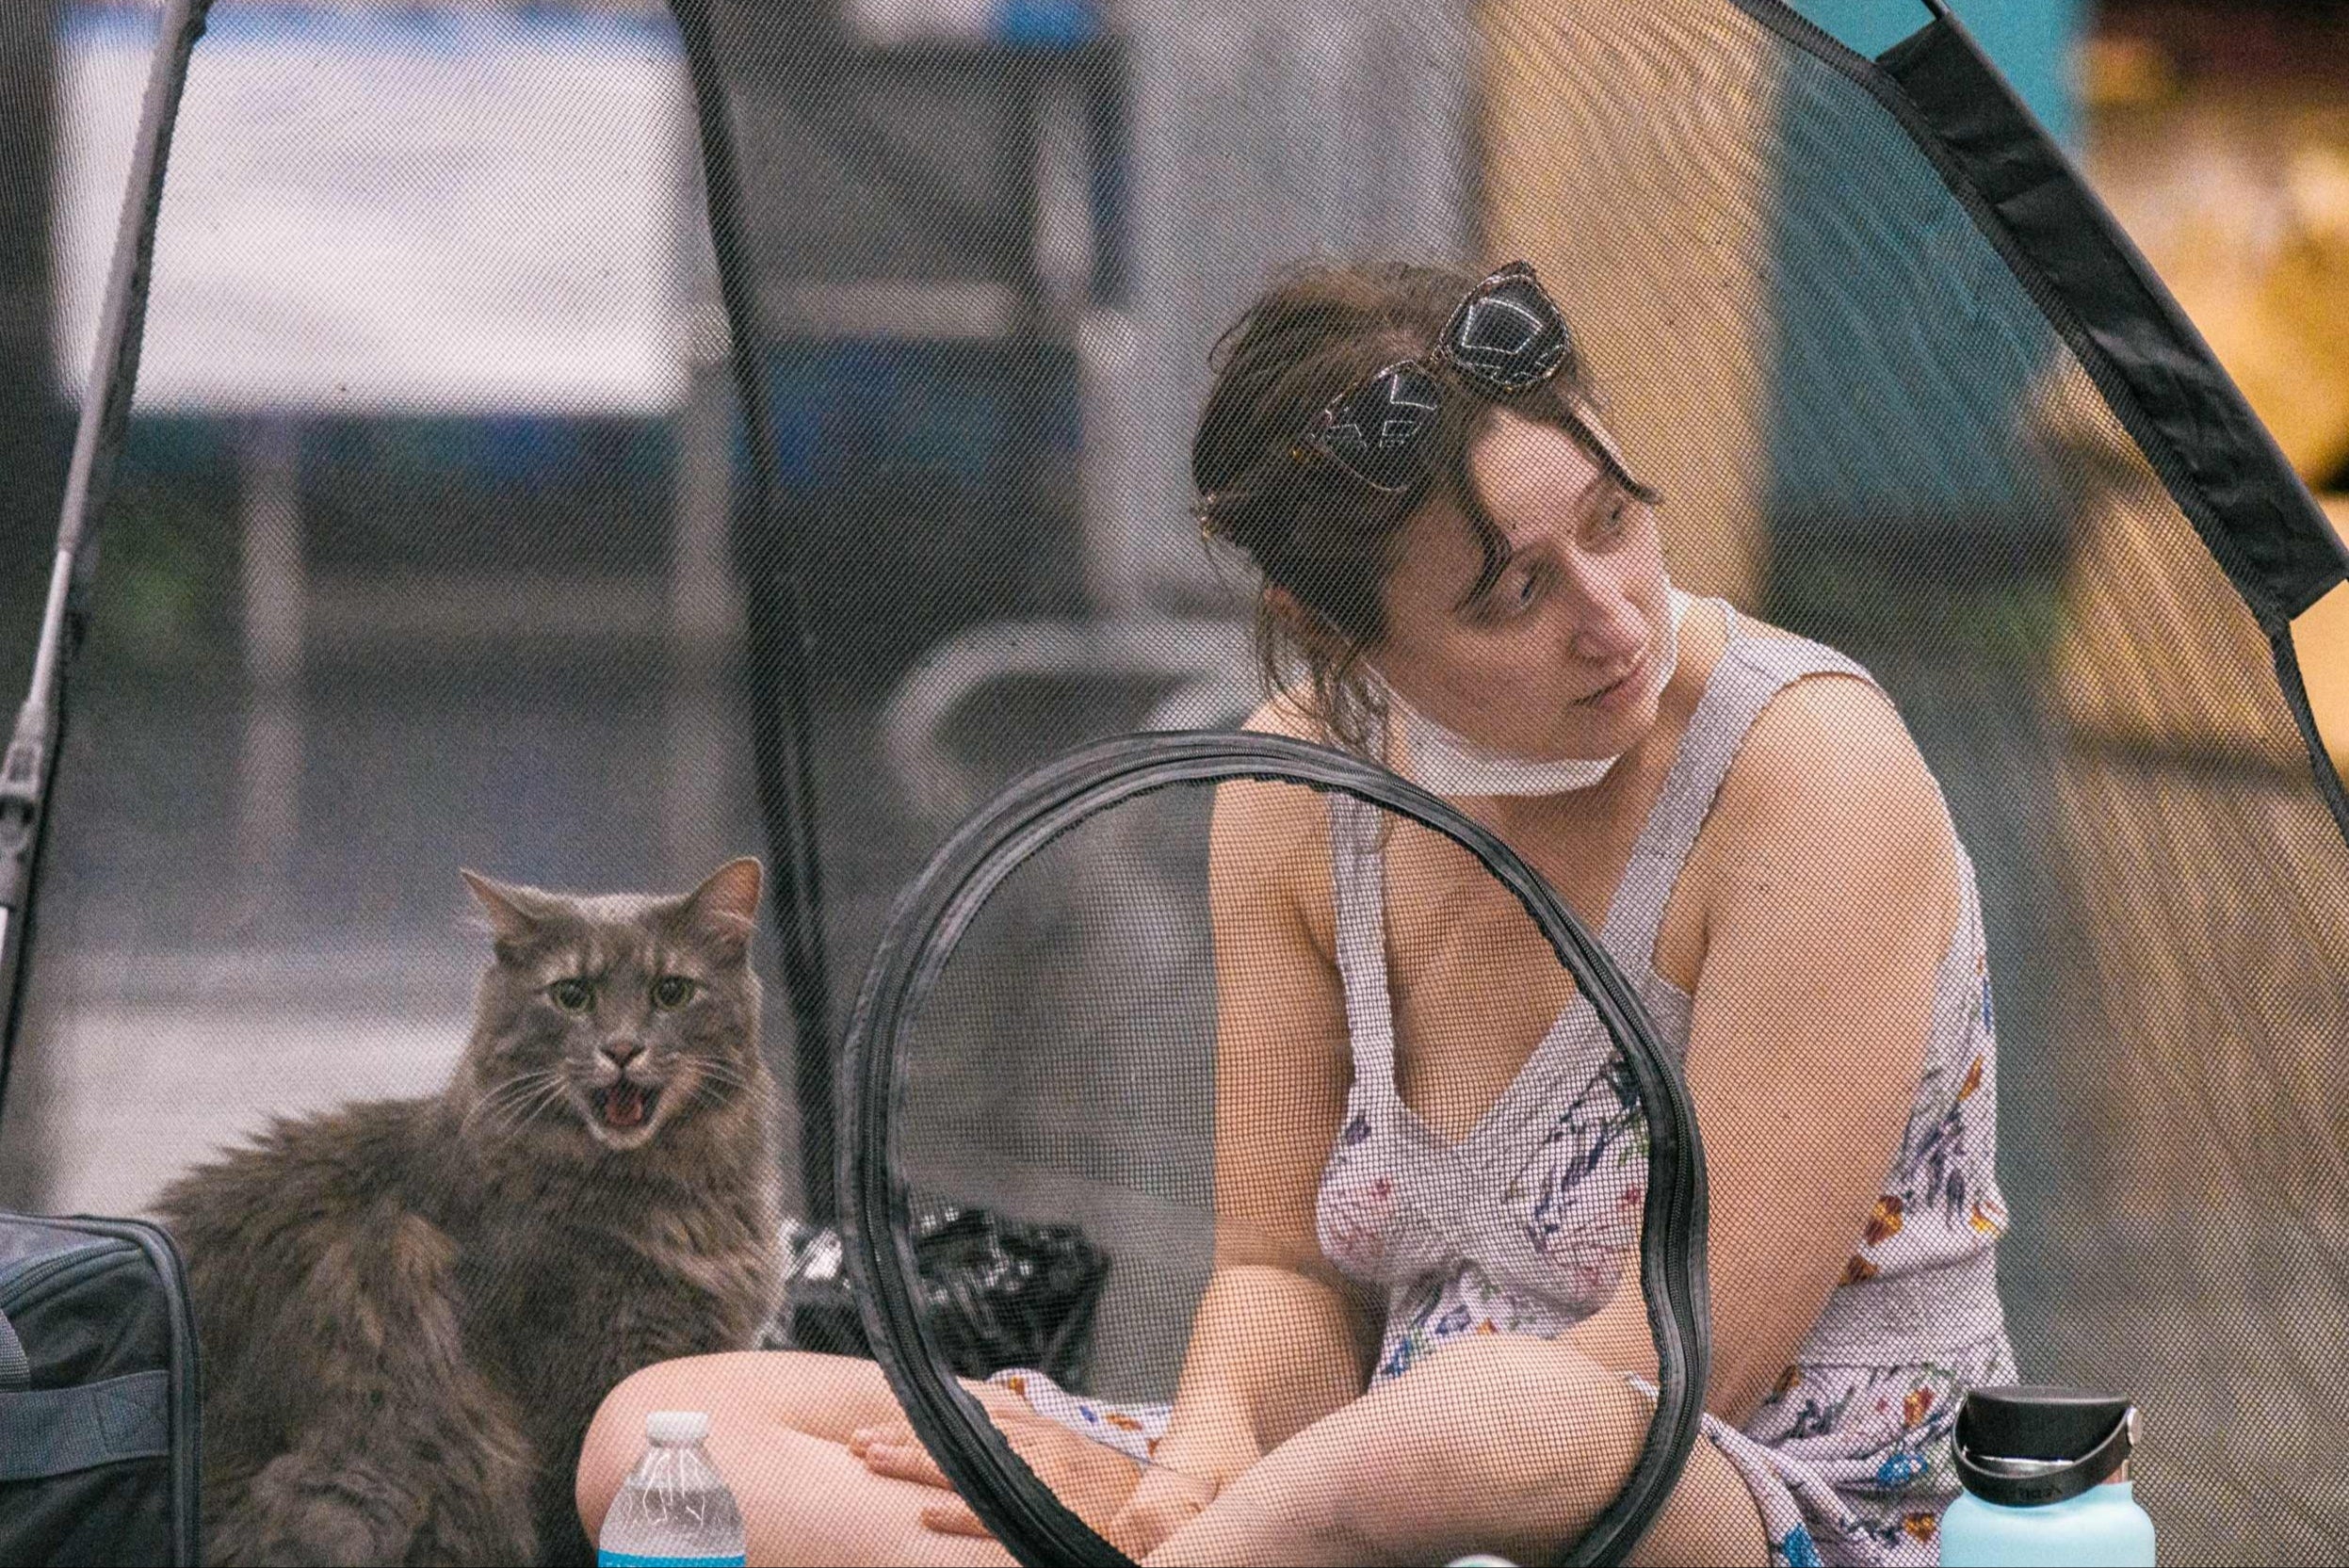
{"x": 1511, "y": 659}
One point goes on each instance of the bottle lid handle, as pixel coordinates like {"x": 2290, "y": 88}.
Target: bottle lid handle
{"x": 2034, "y": 1483}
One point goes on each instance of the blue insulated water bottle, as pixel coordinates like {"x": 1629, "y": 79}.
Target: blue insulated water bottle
{"x": 2045, "y": 1473}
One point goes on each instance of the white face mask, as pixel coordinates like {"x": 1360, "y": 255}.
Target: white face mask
{"x": 1449, "y": 764}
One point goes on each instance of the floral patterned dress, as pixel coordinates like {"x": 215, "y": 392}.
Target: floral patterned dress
{"x": 1525, "y": 1225}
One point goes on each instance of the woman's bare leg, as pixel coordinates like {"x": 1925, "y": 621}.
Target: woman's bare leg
{"x": 1428, "y": 1465}
{"x": 1505, "y": 1445}
{"x": 779, "y": 1427}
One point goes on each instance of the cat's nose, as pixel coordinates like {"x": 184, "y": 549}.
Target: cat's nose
{"x": 622, "y": 1052}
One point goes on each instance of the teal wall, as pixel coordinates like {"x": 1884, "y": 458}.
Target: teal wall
{"x": 1904, "y": 347}
{"x": 2028, "y": 40}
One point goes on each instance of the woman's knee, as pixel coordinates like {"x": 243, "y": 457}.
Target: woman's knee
{"x": 616, "y": 1433}
{"x": 820, "y": 1395}
{"x": 1532, "y": 1425}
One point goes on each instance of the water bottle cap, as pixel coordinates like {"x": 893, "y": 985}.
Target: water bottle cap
{"x": 675, "y": 1428}
{"x": 2030, "y": 1444}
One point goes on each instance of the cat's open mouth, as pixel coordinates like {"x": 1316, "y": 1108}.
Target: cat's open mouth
{"x": 624, "y": 1106}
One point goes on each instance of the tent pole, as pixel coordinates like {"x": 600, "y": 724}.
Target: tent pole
{"x": 28, "y": 774}
{"x": 778, "y": 663}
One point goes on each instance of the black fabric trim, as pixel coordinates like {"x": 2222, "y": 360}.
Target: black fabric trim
{"x": 2231, "y": 481}
{"x": 930, "y": 916}
{"x": 2102, "y": 298}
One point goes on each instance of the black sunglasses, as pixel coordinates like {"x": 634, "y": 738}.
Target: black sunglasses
{"x": 1507, "y": 337}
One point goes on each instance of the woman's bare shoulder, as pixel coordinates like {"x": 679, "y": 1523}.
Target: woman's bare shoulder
{"x": 1821, "y": 738}
{"x": 1832, "y": 723}
{"x": 1267, "y": 813}
{"x": 1273, "y": 836}
{"x": 1833, "y": 749}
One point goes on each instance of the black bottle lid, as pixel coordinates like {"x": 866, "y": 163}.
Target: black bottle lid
{"x": 2028, "y": 1445}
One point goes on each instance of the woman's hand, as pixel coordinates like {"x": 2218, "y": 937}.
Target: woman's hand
{"x": 1164, "y": 1502}
{"x": 1092, "y": 1481}
{"x": 1193, "y": 1464}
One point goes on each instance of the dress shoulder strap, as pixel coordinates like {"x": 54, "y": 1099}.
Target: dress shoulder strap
{"x": 1358, "y": 895}
{"x": 1753, "y": 670}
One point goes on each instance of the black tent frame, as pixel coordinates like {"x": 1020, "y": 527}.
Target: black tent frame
{"x": 773, "y": 605}
{"x": 941, "y": 904}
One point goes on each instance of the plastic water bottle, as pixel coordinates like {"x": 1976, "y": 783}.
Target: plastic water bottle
{"x": 2045, "y": 1473}
{"x": 674, "y": 1508}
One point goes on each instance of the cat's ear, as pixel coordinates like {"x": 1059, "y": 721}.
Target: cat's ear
{"x": 724, "y": 910}
{"x": 507, "y": 908}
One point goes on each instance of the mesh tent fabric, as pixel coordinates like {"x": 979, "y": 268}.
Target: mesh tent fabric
{"x": 1904, "y": 389}
{"x": 2083, "y": 613}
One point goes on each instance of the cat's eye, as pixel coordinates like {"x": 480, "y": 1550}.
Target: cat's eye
{"x": 673, "y": 990}
{"x": 573, "y": 995}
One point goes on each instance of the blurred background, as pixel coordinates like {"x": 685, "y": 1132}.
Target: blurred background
{"x": 427, "y": 548}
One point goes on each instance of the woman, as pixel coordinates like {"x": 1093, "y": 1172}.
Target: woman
{"x": 1473, "y": 583}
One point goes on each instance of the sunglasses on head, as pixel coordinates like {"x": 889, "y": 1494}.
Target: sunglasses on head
{"x": 1507, "y": 337}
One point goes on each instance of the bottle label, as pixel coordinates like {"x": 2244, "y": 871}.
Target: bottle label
{"x": 630, "y": 1560}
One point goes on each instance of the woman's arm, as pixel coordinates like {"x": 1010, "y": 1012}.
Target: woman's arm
{"x": 1812, "y": 1010}
{"x": 1279, "y": 1338}
{"x": 1811, "y": 1015}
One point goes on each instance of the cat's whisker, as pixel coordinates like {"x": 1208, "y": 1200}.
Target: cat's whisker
{"x": 525, "y": 1106}
{"x": 493, "y": 1108}
{"x": 473, "y": 1112}
{"x": 518, "y": 1089}
{"x": 515, "y": 1080}
{"x": 490, "y": 1098}
{"x": 714, "y": 1078}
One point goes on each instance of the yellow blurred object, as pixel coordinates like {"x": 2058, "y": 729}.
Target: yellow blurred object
{"x": 1676, "y": 334}
{"x": 2241, "y": 203}
{"x": 2117, "y": 71}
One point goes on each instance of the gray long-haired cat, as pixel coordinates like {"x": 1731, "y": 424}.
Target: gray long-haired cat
{"x": 410, "y": 1309}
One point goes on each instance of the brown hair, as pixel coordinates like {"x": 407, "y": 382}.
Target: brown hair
{"x": 1312, "y": 530}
